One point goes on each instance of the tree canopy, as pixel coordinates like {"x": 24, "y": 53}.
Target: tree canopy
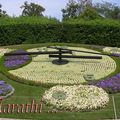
{"x": 108, "y": 10}
{"x": 90, "y": 14}
{"x": 2, "y": 12}
{"x": 32, "y": 9}
{"x": 85, "y": 9}
{"x": 73, "y": 9}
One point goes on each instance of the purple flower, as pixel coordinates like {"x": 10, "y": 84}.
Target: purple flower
{"x": 1, "y": 92}
{"x": 116, "y": 54}
{"x": 2, "y": 82}
{"x": 5, "y": 89}
{"x": 16, "y": 60}
{"x": 110, "y": 84}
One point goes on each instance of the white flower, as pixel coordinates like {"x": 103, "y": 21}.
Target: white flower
{"x": 76, "y": 98}
{"x": 5, "y": 50}
{"x": 111, "y": 50}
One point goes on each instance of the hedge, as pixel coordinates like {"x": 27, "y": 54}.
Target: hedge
{"x": 28, "y": 30}
{"x": 44, "y": 30}
{"x": 26, "y": 33}
{"x": 98, "y": 32}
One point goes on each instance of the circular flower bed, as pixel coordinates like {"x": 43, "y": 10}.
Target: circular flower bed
{"x": 42, "y": 71}
{"x": 6, "y": 90}
{"x": 76, "y": 98}
{"x": 17, "y": 60}
{"x": 111, "y": 85}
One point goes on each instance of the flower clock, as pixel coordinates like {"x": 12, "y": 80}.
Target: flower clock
{"x": 42, "y": 71}
{"x": 6, "y": 90}
{"x": 76, "y": 97}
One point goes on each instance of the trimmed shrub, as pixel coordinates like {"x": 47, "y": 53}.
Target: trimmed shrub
{"x": 99, "y": 32}
{"x": 28, "y": 30}
{"x": 43, "y": 30}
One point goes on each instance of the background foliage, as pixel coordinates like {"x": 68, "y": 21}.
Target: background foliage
{"x": 42, "y": 30}
{"x": 83, "y": 22}
{"x": 2, "y": 12}
{"x": 32, "y": 9}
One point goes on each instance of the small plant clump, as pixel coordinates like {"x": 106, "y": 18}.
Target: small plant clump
{"x": 5, "y": 89}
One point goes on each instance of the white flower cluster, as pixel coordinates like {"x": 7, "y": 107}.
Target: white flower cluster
{"x": 111, "y": 50}
{"x": 4, "y": 50}
{"x": 76, "y": 98}
{"x": 41, "y": 69}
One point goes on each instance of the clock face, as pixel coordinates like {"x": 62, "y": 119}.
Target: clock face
{"x": 42, "y": 70}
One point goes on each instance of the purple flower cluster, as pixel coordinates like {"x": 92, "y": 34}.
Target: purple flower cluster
{"x": 111, "y": 85}
{"x": 116, "y": 54}
{"x": 16, "y": 60}
{"x": 4, "y": 88}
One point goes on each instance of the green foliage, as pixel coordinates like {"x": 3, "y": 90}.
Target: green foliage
{"x": 44, "y": 30}
{"x": 71, "y": 10}
{"x": 108, "y": 10}
{"x": 28, "y": 30}
{"x": 32, "y": 9}
{"x": 27, "y": 20}
{"x": 75, "y": 8}
{"x": 90, "y": 14}
{"x": 2, "y": 12}
{"x": 105, "y": 32}
{"x": 116, "y": 13}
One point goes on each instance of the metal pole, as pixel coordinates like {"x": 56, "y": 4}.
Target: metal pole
{"x": 60, "y": 57}
{"x": 114, "y": 107}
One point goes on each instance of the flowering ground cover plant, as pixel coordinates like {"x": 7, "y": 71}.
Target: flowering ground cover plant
{"x": 17, "y": 60}
{"x": 76, "y": 98}
{"x": 116, "y": 54}
{"x": 111, "y": 85}
{"x": 5, "y": 89}
{"x": 41, "y": 69}
{"x": 113, "y": 50}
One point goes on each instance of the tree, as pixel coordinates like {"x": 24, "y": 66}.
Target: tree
{"x": 108, "y": 10}
{"x": 73, "y": 9}
{"x": 2, "y": 12}
{"x": 90, "y": 14}
{"x": 115, "y": 14}
{"x": 70, "y": 10}
{"x": 32, "y": 9}
{"x": 83, "y": 4}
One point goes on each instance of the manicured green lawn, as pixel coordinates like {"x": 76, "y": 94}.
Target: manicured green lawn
{"x": 25, "y": 93}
